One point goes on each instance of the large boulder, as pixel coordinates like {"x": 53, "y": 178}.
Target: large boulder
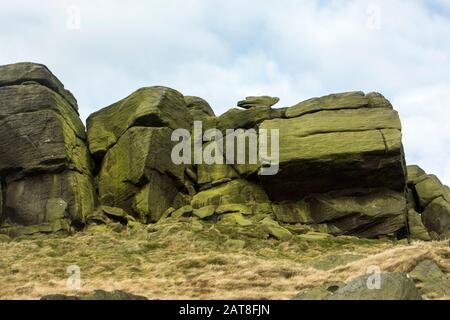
{"x": 436, "y": 217}
{"x": 149, "y": 107}
{"x": 45, "y": 166}
{"x": 138, "y": 175}
{"x": 393, "y": 286}
{"x": 336, "y": 149}
{"x": 430, "y": 199}
{"x": 20, "y": 73}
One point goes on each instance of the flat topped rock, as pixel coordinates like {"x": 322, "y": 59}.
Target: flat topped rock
{"x": 147, "y": 107}
{"x": 261, "y": 101}
{"x": 339, "y": 101}
{"x": 28, "y": 72}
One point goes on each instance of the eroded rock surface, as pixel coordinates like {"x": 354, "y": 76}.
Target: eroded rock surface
{"x": 341, "y": 164}
{"x": 45, "y": 165}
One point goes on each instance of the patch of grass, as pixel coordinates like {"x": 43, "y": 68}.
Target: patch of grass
{"x": 189, "y": 259}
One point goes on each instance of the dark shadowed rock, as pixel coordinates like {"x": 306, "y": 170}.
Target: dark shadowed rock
{"x": 430, "y": 188}
{"x": 45, "y": 198}
{"x": 431, "y": 199}
{"x": 45, "y": 167}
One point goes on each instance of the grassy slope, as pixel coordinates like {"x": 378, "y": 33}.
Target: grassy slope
{"x": 187, "y": 258}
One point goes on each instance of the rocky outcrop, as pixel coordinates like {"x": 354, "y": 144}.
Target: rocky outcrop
{"x": 341, "y": 163}
{"x": 391, "y": 286}
{"x": 429, "y": 199}
{"x": 131, "y": 141}
{"x": 45, "y": 167}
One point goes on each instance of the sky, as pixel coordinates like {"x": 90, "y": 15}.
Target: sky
{"x": 224, "y": 50}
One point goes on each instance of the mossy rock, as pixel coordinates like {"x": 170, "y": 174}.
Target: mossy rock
{"x": 234, "y": 208}
{"x": 430, "y": 188}
{"x": 417, "y": 230}
{"x": 204, "y": 212}
{"x": 274, "y": 229}
{"x": 234, "y": 192}
{"x": 43, "y": 198}
{"x": 137, "y": 179}
{"x": 436, "y": 217}
{"x": 182, "y": 212}
{"x": 148, "y": 107}
{"x": 259, "y": 101}
{"x": 415, "y": 173}
{"x": 393, "y": 286}
{"x": 314, "y": 236}
{"x": 235, "y": 218}
{"x": 327, "y": 160}
{"x": 337, "y": 101}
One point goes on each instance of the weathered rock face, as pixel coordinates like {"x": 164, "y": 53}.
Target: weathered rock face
{"x": 430, "y": 200}
{"x": 262, "y": 101}
{"x": 342, "y": 154}
{"x": 393, "y": 286}
{"x": 132, "y": 140}
{"x": 341, "y": 163}
{"x": 346, "y": 143}
{"x": 45, "y": 166}
{"x": 148, "y": 107}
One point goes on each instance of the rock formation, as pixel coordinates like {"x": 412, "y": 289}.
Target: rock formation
{"x": 45, "y": 166}
{"x": 341, "y": 164}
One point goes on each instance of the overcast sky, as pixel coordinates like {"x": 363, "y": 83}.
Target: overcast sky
{"x": 224, "y": 50}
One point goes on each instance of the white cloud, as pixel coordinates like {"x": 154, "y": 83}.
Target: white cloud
{"x": 223, "y": 50}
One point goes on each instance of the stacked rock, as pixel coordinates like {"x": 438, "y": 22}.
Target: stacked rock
{"x": 45, "y": 165}
{"x": 429, "y": 203}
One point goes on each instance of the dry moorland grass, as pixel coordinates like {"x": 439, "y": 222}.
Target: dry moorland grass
{"x": 189, "y": 259}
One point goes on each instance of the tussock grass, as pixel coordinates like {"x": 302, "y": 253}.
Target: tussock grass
{"x": 190, "y": 259}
